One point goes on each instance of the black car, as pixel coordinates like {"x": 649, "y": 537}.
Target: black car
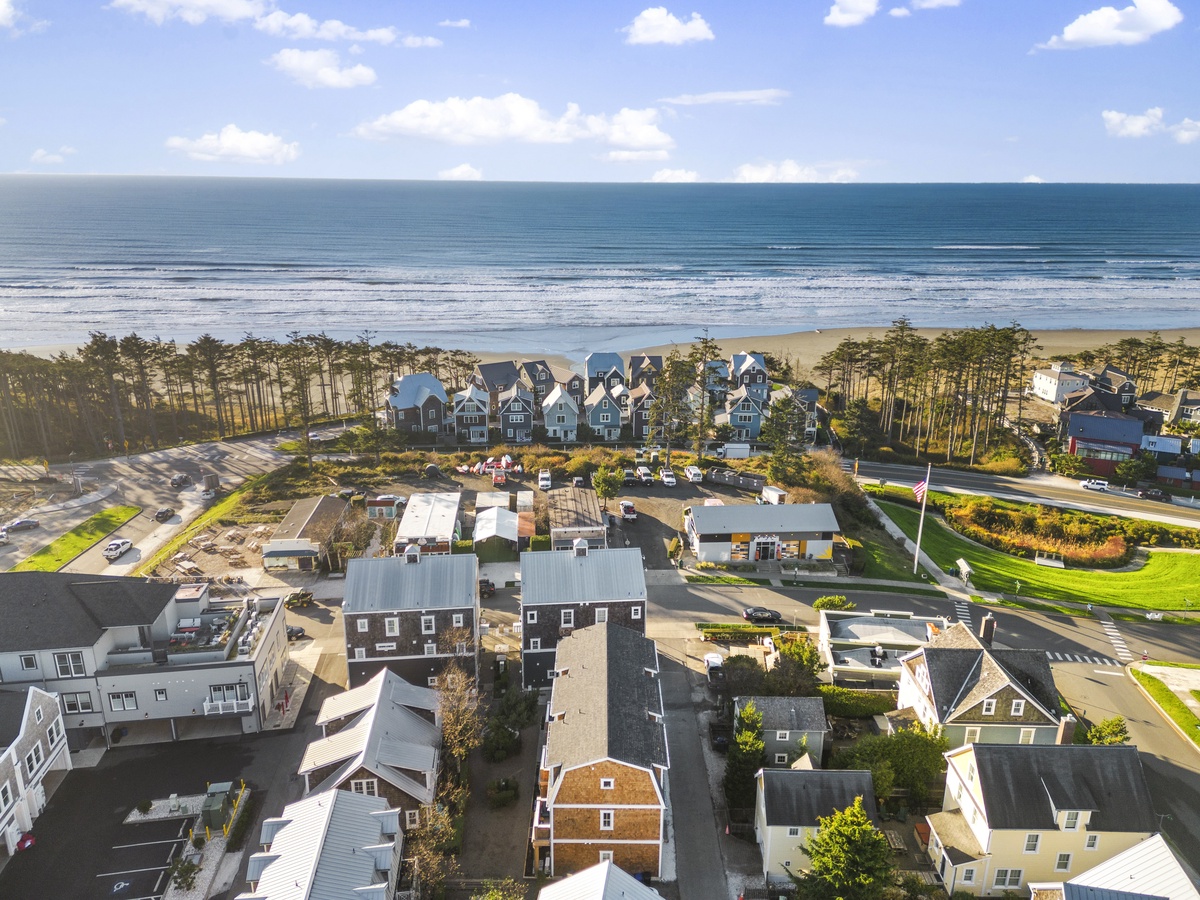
{"x": 294, "y": 632}
{"x": 630, "y": 478}
{"x": 1155, "y": 494}
{"x": 761, "y": 614}
{"x": 22, "y": 524}
{"x": 163, "y": 514}
{"x": 179, "y": 479}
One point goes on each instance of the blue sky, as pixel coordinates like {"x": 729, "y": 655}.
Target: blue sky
{"x": 806, "y": 90}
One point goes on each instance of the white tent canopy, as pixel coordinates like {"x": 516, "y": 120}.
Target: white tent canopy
{"x": 496, "y": 522}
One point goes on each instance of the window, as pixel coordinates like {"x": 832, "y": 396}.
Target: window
{"x": 29, "y": 661}
{"x": 531, "y": 617}
{"x": 1008, "y": 878}
{"x": 602, "y": 615}
{"x": 637, "y": 613}
{"x": 605, "y": 417}
{"x": 122, "y": 700}
{"x": 386, "y": 647}
{"x": 55, "y": 732}
{"x": 606, "y": 820}
{"x": 1063, "y": 863}
{"x": 33, "y": 759}
{"x": 427, "y": 625}
{"x": 972, "y": 736}
{"x": 38, "y": 714}
{"x": 568, "y": 618}
{"x": 368, "y": 786}
{"x": 781, "y": 759}
{"x": 989, "y": 707}
{"x": 535, "y": 643}
{"x": 160, "y": 694}
{"x": 793, "y": 831}
{"x": 431, "y": 649}
{"x": 1018, "y": 707}
{"x": 516, "y": 419}
{"x": 219, "y": 693}
{"x": 391, "y": 626}
{"x": 69, "y": 665}
{"x": 510, "y": 433}
{"x": 5, "y": 796}
{"x": 606, "y": 856}
{"x": 77, "y": 703}
{"x": 461, "y": 648}
{"x": 1026, "y": 736}
{"x": 1093, "y": 841}
{"x": 561, "y": 420}
{"x": 362, "y": 625}
{"x": 1031, "y": 842}
{"x": 606, "y": 784}
{"x": 971, "y": 772}
{"x": 1072, "y": 823}
{"x": 968, "y": 876}
{"x": 457, "y": 621}
{"x": 781, "y": 735}
{"x": 431, "y": 681}
{"x": 412, "y": 818}
{"x": 360, "y": 652}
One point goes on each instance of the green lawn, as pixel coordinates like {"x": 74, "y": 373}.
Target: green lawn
{"x": 832, "y": 587}
{"x": 722, "y": 579}
{"x": 1163, "y": 583}
{"x": 1171, "y": 704}
{"x": 58, "y": 553}
{"x": 886, "y": 561}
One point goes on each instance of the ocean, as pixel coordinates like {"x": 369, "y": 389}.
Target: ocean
{"x": 571, "y": 268}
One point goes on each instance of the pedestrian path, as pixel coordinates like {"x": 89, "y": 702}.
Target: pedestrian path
{"x": 962, "y": 609}
{"x": 1114, "y": 636}
{"x": 1079, "y": 657}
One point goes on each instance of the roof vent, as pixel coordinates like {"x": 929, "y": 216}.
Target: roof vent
{"x": 412, "y": 554}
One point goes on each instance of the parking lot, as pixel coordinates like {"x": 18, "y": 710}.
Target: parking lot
{"x": 138, "y": 866}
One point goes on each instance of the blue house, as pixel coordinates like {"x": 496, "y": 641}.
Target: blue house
{"x": 744, "y": 412}
{"x": 517, "y": 408}
{"x": 603, "y": 413}
{"x": 604, "y": 368}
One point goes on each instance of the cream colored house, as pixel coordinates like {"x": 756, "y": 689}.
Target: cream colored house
{"x": 788, "y": 804}
{"x": 1020, "y": 813}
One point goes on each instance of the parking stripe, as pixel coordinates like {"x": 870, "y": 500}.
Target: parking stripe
{"x": 131, "y": 871}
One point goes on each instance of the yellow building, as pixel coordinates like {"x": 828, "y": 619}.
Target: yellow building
{"x": 1015, "y": 814}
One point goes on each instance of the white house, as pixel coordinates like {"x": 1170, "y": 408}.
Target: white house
{"x": 1144, "y": 871}
{"x": 750, "y": 532}
{"x": 1053, "y": 384}
{"x": 868, "y": 645}
{"x": 32, "y": 746}
{"x": 603, "y": 881}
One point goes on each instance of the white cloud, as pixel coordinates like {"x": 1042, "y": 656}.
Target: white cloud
{"x": 1033, "y": 179}
{"x": 302, "y": 26}
{"x": 465, "y": 172}
{"x": 1131, "y": 125}
{"x": 44, "y": 158}
{"x": 455, "y": 23}
{"x": 791, "y": 172}
{"x": 1186, "y": 132}
{"x": 8, "y": 14}
{"x": 1108, "y": 25}
{"x": 321, "y": 68}
{"x": 674, "y": 176}
{"x": 657, "y": 26}
{"x": 511, "y": 117}
{"x": 934, "y": 4}
{"x": 900, "y": 12}
{"x": 416, "y": 41}
{"x": 194, "y": 12}
{"x": 636, "y": 155}
{"x": 844, "y": 13}
{"x": 764, "y": 97}
{"x": 233, "y": 145}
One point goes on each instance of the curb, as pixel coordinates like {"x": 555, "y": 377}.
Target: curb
{"x": 1162, "y": 712}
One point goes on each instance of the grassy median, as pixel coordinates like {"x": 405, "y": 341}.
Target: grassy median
{"x": 61, "y": 551}
{"x": 1164, "y": 582}
{"x": 1171, "y": 704}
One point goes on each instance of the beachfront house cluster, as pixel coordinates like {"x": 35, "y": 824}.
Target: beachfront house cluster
{"x": 520, "y": 402}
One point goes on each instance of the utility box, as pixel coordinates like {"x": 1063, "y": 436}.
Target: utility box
{"x": 212, "y": 482}
{"x": 215, "y": 810}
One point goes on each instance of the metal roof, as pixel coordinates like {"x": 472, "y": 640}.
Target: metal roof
{"x": 316, "y": 848}
{"x": 413, "y": 390}
{"x": 798, "y": 797}
{"x": 430, "y": 515}
{"x": 1150, "y": 867}
{"x": 559, "y": 576}
{"x": 310, "y": 518}
{"x": 603, "y": 363}
{"x": 603, "y": 881}
{"x": 387, "y": 685}
{"x": 1102, "y": 425}
{"x": 574, "y": 507}
{"x": 394, "y": 583}
{"x": 879, "y": 629}
{"x": 766, "y": 519}
{"x": 496, "y": 522}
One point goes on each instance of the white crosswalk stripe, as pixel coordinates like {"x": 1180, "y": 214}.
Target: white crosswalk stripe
{"x": 1080, "y": 658}
{"x": 962, "y": 609}
{"x": 1118, "y": 642}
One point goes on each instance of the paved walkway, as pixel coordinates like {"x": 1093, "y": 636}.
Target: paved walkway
{"x": 297, "y": 675}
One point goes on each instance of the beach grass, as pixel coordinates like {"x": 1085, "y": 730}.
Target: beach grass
{"x": 62, "y": 550}
{"x": 1171, "y": 704}
{"x": 1161, "y": 583}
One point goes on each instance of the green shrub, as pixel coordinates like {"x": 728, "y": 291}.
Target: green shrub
{"x": 246, "y": 814}
{"x": 539, "y": 542}
{"x": 462, "y": 547}
{"x": 851, "y": 704}
{"x": 198, "y": 841}
{"x": 144, "y": 806}
{"x": 182, "y": 873}
{"x": 502, "y": 792}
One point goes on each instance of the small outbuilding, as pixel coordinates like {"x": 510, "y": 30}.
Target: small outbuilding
{"x": 301, "y": 539}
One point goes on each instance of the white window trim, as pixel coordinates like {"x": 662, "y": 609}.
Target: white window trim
{"x": 793, "y": 831}
{"x": 458, "y": 621}
{"x": 362, "y": 625}
{"x": 367, "y": 786}
{"x": 568, "y": 618}
{"x": 1070, "y": 824}
{"x": 606, "y": 856}
{"x": 989, "y": 706}
{"x": 607, "y": 784}
{"x": 606, "y": 815}
{"x": 29, "y": 662}
{"x": 781, "y": 759}
{"x": 601, "y": 614}
{"x": 531, "y": 616}
{"x": 1058, "y": 862}
{"x": 782, "y": 735}
{"x": 428, "y": 625}
{"x": 1018, "y": 707}
{"x": 1029, "y": 733}
{"x": 535, "y": 643}
{"x": 1092, "y": 842}
{"x": 391, "y": 626}
{"x": 360, "y": 652}
{"x": 637, "y": 613}
{"x": 412, "y": 818}
{"x": 431, "y": 649}
{"x": 1037, "y": 843}
{"x": 968, "y": 876}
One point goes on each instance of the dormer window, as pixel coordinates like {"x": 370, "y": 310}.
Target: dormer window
{"x": 1071, "y": 822}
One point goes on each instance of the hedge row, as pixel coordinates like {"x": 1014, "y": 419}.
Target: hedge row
{"x": 851, "y": 704}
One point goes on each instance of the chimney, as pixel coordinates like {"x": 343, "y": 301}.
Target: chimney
{"x": 987, "y": 629}
{"x": 1066, "y": 730}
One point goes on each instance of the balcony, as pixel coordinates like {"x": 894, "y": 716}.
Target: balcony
{"x": 229, "y": 707}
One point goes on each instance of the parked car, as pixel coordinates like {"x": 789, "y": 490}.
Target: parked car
{"x": 577, "y": 481}
{"x": 116, "y": 549}
{"x": 666, "y": 476}
{"x": 628, "y": 513}
{"x": 1094, "y": 484}
{"x": 762, "y": 615}
{"x": 544, "y": 480}
{"x": 22, "y": 524}
{"x": 499, "y": 478}
{"x": 3, "y": 537}
{"x": 1155, "y": 494}
{"x": 630, "y": 478}
{"x": 294, "y": 632}
{"x": 487, "y": 588}
{"x": 645, "y": 476}
{"x": 179, "y": 479}
{"x": 163, "y": 514}
{"x": 693, "y": 474}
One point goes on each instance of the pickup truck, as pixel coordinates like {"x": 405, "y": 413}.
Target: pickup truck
{"x": 487, "y": 588}
{"x": 628, "y": 512}
{"x": 544, "y": 480}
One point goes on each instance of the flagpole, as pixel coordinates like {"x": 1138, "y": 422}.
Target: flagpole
{"x": 921, "y": 521}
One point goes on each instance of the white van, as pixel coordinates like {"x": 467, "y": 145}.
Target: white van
{"x": 1094, "y": 484}
{"x": 644, "y": 475}
{"x": 693, "y": 474}
{"x": 544, "y": 479}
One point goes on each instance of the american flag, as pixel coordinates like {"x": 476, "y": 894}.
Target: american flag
{"x": 919, "y": 489}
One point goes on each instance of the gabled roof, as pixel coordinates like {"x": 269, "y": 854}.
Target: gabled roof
{"x": 799, "y": 797}
{"x": 599, "y": 392}
{"x": 1103, "y": 425}
{"x": 603, "y": 363}
{"x": 566, "y": 376}
{"x": 410, "y": 391}
{"x": 386, "y": 685}
{"x": 387, "y": 739}
{"x": 1108, "y": 377}
{"x": 601, "y": 882}
{"x": 495, "y": 374}
{"x": 1150, "y": 867}
{"x": 532, "y": 368}
{"x": 317, "y": 848}
{"x": 495, "y": 522}
{"x": 600, "y": 706}
{"x": 563, "y": 577}
{"x": 743, "y": 392}
{"x": 559, "y": 395}
{"x": 641, "y": 394}
{"x": 51, "y": 610}
{"x": 642, "y": 364}
{"x": 789, "y": 713}
{"x": 1023, "y": 784}
{"x": 741, "y": 363}
{"x": 518, "y": 393}
{"x": 392, "y": 583}
{"x": 473, "y": 392}
{"x": 743, "y": 518}
{"x": 963, "y": 671}
{"x": 310, "y": 518}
